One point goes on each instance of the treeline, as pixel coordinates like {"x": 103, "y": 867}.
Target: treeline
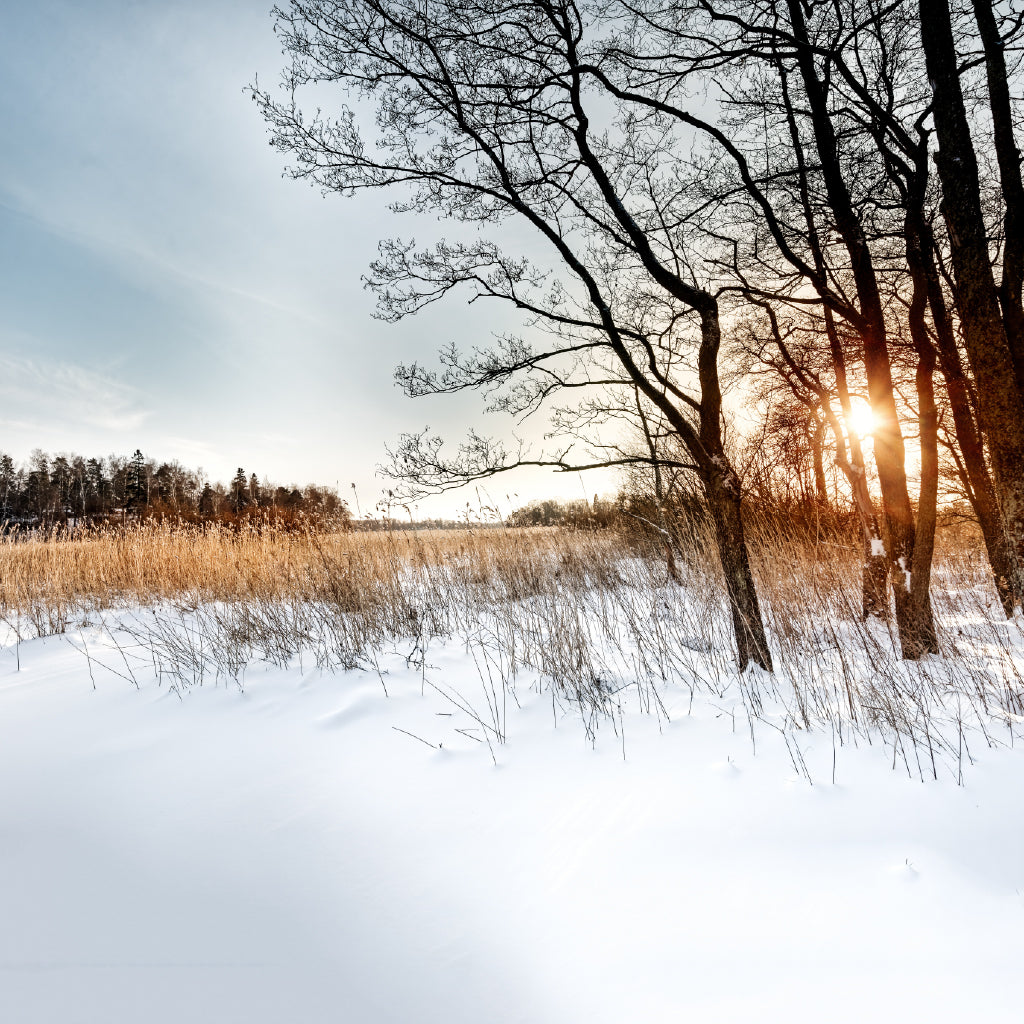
{"x": 69, "y": 489}
{"x": 578, "y": 514}
{"x": 677, "y": 512}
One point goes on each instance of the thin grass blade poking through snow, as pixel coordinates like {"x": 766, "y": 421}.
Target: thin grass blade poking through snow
{"x": 591, "y": 617}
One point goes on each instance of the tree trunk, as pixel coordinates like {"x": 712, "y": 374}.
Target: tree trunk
{"x": 924, "y": 537}
{"x": 722, "y": 488}
{"x": 1008, "y": 158}
{"x": 875, "y": 580}
{"x": 875, "y": 566}
{"x": 920, "y": 563}
{"x": 890, "y": 455}
{"x": 980, "y": 490}
{"x": 1000, "y": 382}
{"x": 817, "y": 438}
{"x": 874, "y": 569}
{"x": 928, "y": 425}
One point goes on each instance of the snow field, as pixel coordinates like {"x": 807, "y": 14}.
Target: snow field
{"x": 281, "y": 851}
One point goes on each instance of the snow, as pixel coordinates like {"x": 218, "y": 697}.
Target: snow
{"x": 877, "y": 547}
{"x": 297, "y": 846}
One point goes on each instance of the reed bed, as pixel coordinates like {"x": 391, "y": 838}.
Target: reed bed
{"x": 593, "y": 617}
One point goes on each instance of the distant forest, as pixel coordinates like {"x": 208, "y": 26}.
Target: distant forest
{"x": 69, "y": 489}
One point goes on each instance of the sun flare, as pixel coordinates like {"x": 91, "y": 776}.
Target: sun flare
{"x": 862, "y": 419}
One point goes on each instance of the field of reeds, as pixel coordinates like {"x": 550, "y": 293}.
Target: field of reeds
{"x": 592, "y": 616}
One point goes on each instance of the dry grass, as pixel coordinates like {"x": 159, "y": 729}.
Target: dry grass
{"x": 591, "y": 616}
{"x": 49, "y": 581}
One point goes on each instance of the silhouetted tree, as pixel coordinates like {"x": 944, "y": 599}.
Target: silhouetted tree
{"x": 490, "y": 112}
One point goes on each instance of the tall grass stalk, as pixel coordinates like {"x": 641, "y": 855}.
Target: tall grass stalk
{"x": 591, "y": 616}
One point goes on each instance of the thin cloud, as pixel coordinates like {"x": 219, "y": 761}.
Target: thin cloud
{"x": 191, "y": 451}
{"x": 118, "y": 244}
{"x": 36, "y": 395}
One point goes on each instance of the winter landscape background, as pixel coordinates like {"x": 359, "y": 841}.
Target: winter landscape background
{"x": 659, "y": 659}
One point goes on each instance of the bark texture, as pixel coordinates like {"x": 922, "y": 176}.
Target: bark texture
{"x": 1008, "y": 158}
{"x": 722, "y": 489}
{"x": 1000, "y": 382}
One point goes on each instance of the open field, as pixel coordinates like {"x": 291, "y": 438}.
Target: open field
{"x": 498, "y": 775}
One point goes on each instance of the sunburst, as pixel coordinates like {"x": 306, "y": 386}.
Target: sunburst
{"x": 861, "y": 419}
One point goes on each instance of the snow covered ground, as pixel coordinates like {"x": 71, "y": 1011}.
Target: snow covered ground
{"x": 303, "y": 848}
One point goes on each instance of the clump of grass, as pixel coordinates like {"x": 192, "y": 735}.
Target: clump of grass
{"x": 592, "y": 616}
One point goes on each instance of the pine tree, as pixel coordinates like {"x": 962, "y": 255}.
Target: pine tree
{"x": 239, "y": 490}
{"x": 206, "y": 501}
{"x": 7, "y": 485}
{"x": 96, "y": 486}
{"x": 136, "y": 490}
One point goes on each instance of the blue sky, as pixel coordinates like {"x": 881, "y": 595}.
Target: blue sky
{"x": 163, "y": 287}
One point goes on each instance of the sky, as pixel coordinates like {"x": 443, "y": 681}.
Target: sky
{"x": 164, "y": 287}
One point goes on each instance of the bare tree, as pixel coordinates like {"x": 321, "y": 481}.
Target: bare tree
{"x": 814, "y": 211}
{"x": 487, "y": 111}
{"x": 990, "y": 315}
{"x": 824, "y": 129}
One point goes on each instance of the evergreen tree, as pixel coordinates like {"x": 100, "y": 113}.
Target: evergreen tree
{"x": 38, "y": 488}
{"x": 96, "y": 487}
{"x": 137, "y": 482}
{"x": 239, "y": 490}
{"x": 60, "y": 478}
{"x": 206, "y": 501}
{"x": 7, "y": 486}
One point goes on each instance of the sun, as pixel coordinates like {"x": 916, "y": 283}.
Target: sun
{"x": 862, "y": 419}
